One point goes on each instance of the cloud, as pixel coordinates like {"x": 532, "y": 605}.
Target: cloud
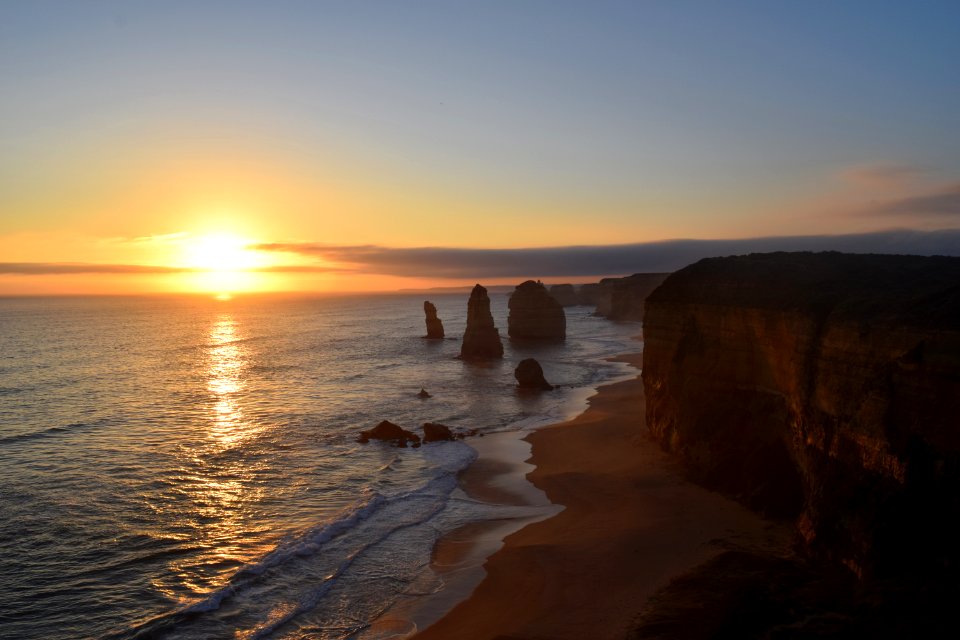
{"x": 66, "y": 268}
{"x": 884, "y": 175}
{"x": 162, "y": 238}
{"x": 71, "y": 268}
{"x": 943, "y": 202}
{"x": 302, "y": 268}
{"x": 543, "y": 262}
{"x": 552, "y": 262}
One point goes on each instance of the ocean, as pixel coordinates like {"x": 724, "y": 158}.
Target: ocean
{"x": 183, "y": 467}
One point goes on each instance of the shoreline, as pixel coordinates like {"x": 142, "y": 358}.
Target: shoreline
{"x": 497, "y": 477}
{"x": 627, "y": 524}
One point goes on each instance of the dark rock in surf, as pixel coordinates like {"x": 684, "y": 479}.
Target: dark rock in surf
{"x": 434, "y": 325}
{"x": 433, "y": 432}
{"x": 387, "y": 431}
{"x": 529, "y": 375}
{"x": 481, "y": 340}
{"x": 423, "y": 394}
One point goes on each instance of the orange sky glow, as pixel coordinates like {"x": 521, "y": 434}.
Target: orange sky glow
{"x": 326, "y": 147}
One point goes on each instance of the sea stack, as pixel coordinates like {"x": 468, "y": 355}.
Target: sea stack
{"x": 529, "y": 375}
{"x": 481, "y": 340}
{"x": 535, "y": 314}
{"x": 434, "y": 325}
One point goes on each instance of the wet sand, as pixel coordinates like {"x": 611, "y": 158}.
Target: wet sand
{"x": 631, "y": 523}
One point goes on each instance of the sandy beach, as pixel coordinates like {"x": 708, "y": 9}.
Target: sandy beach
{"x": 631, "y": 523}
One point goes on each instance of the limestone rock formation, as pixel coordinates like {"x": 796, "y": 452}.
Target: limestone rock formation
{"x": 589, "y": 294}
{"x": 568, "y": 295}
{"x": 390, "y": 432}
{"x": 481, "y": 340}
{"x": 434, "y": 432}
{"x": 565, "y": 294}
{"x": 535, "y": 314}
{"x": 823, "y": 386}
{"x": 622, "y": 298}
{"x": 434, "y": 324}
{"x": 529, "y": 375}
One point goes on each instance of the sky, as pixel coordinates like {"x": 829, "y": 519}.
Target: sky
{"x": 336, "y": 146}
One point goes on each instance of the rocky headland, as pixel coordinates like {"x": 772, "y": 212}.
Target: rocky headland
{"x": 569, "y": 295}
{"x": 623, "y": 298}
{"x": 535, "y": 314}
{"x": 481, "y": 339}
{"x": 822, "y": 387}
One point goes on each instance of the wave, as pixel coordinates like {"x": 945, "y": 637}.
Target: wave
{"x": 46, "y": 433}
{"x": 395, "y": 512}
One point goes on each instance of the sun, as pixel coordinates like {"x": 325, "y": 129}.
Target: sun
{"x": 221, "y": 252}
{"x": 222, "y": 264}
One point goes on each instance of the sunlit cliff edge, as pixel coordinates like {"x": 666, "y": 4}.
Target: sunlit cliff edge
{"x": 823, "y": 387}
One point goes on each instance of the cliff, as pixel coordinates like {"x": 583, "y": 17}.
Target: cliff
{"x": 535, "y": 314}
{"x": 824, "y": 387}
{"x": 622, "y": 298}
{"x": 589, "y": 294}
{"x": 569, "y": 296}
{"x": 481, "y": 340}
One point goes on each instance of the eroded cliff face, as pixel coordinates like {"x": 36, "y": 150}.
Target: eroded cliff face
{"x": 821, "y": 386}
{"x": 623, "y": 298}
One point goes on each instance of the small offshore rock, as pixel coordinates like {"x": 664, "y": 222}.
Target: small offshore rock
{"x": 423, "y": 393}
{"x": 529, "y": 375}
{"x": 433, "y": 432}
{"x": 387, "y": 431}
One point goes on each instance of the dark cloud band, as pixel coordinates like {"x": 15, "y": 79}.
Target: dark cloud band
{"x": 943, "y": 203}
{"x": 548, "y": 262}
{"x": 438, "y": 262}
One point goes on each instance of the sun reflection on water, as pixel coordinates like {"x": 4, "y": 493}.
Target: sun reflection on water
{"x": 217, "y": 488}
{"x": 226, "y": 381}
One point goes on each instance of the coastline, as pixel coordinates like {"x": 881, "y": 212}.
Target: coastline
{"x": 630, "y": 523}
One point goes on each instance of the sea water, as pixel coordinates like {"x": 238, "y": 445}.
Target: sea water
{"x": 180, "y": 467}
